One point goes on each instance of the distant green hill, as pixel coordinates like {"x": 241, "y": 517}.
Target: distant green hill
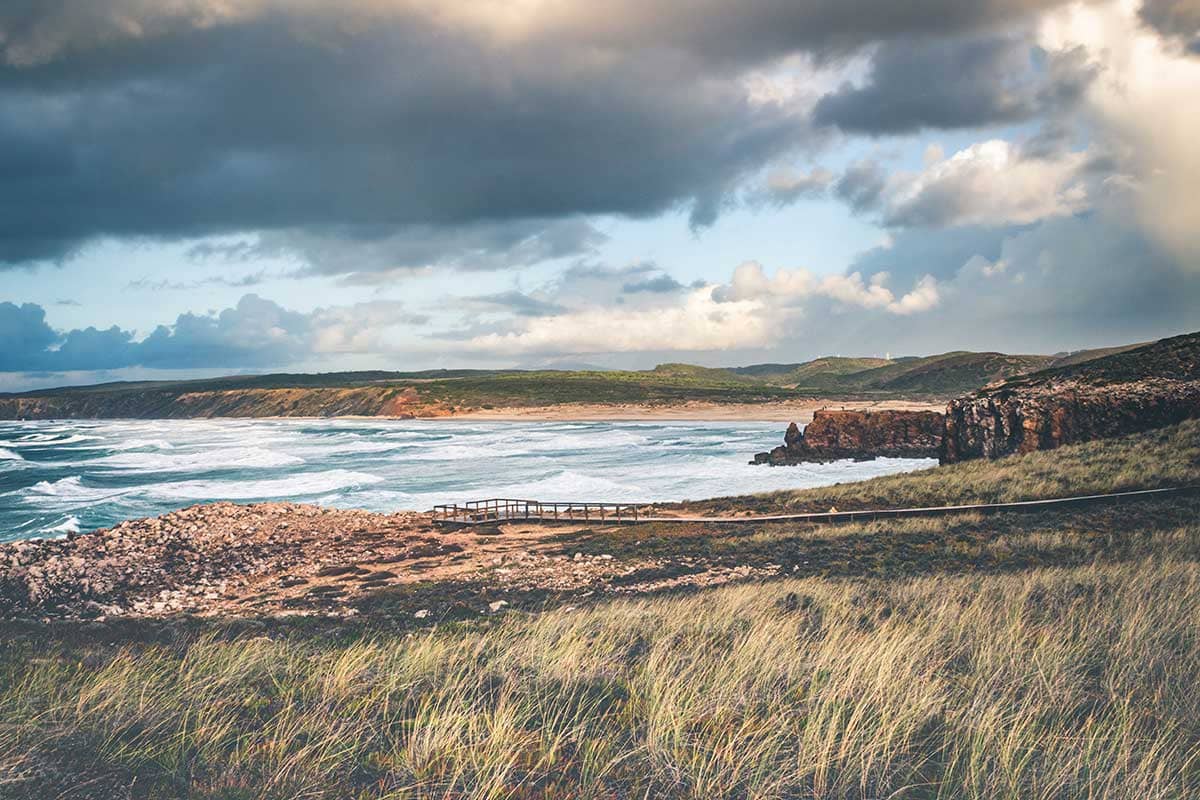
{"x": 691, "y": 372}
{"x": 440, "y": 392}
{"x": 1177, "y": 358}
{"x": 1081, "y": 356}
{"x": 945, "y": 374}
{"x": 818, "y": 372}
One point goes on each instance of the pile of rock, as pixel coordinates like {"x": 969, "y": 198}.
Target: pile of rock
{"x": 194, "y": 559}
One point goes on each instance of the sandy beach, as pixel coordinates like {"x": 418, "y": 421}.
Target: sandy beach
{"x": 800, "y": 411}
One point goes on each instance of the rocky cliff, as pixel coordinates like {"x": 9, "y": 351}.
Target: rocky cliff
{"x": 860, "y": 435}
{"x": 366, "y": 401}
{"x": 1140, "y": 389}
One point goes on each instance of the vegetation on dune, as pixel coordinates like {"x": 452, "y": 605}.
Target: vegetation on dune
{"x": 1044, "y": 684}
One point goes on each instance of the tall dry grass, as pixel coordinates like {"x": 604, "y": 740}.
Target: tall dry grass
{"x": 1075, "y": 683}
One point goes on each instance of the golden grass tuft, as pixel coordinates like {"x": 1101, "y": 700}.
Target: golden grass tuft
{"x": 987, "y": 672}
{"x": 1053, "y": 683}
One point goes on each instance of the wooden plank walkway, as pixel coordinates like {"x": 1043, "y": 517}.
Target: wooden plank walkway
{"x": 486, "y": 511}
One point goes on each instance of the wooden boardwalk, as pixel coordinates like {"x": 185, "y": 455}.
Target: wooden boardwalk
{"x": 509, "y": 510}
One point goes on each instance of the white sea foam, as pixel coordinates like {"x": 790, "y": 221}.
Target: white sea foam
{"x": 104, "y": 471}
{"x": 9, "y": 455}
{"x": 43, "y": 440}
{"x": 143, "y": 444}
{"x": 230, "y": 458}
{"x": 301, "y": 485}
{"x": 71, "y": 494}
{"x": 69, "y": 525}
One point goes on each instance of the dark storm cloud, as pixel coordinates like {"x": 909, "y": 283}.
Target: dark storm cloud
{"x": 784, "y": 187}
{"x": 1175, "y": 19}
{"x": 254, "y": 333}
{"x": 344, "y": 132}
{"x": 243, "y": 282}
{"x": 1036, "y": 288}
{"x": 25, "y": 333}
{"x": 861, "y": 185}
{"x": 955, "y": 83}
{"x": 515, "y": 302}
{"x": 356, "y": 139}
{"x": 39, "y": 30}
{"x": 917, "y": 252}
{"x": 377, "y": 253}
{"x": 660, "y": 284}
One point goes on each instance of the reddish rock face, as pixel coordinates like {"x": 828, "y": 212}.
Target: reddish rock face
{"x": 995, "y": 424}
{"x": 1137, "y": 390}
{"x": 860, "y": 435}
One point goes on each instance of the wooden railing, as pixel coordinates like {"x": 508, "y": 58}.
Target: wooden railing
{"x": 503, "y": 509}
{"x": 498, "y": 510}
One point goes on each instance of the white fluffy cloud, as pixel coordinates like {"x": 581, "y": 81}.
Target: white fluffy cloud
{"x": 786, "y": 286}
{"x": 699, "y": 322}
{"x": 753, "y": 311}
{"x": 1144, "y": 107}
{"x": 988, "y": 183}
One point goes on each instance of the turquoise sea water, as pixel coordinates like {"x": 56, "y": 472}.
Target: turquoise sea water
{"x": 63, "y": 476}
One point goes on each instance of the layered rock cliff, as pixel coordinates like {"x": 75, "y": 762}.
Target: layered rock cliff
{"x": 860, "y": 435}
{"x": 1137, "y": 390}
{"x": 366, "y": 401}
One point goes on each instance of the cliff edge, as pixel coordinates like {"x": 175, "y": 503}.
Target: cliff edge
{"x": 861, "y": 435}
{"x": 1137, "y": 390}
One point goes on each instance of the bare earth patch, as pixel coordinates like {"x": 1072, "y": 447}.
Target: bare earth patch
{"x": 283, "y": 559}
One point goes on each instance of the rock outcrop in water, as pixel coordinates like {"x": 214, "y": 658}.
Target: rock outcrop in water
{"x": 861, "y": 435}
{"x": 1141, "y": 389}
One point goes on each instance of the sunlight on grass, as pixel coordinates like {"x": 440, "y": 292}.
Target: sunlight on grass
{"x": 1048, "y": 684}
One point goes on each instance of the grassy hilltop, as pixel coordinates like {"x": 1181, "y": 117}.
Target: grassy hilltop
{"x": 442, "y": 392}
{"x": 1043, "y": 655}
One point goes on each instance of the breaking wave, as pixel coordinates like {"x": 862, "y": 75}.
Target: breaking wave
{"x": 102, "y": 472}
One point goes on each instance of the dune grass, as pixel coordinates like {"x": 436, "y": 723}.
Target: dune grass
{"x": 1044, "y": 684}
{"x": 1048, "y": 657}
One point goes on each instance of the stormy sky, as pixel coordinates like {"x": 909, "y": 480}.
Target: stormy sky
{"x": 194, "y": 187}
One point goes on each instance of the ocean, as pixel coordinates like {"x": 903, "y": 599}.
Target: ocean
{"x": 65, "y": 476}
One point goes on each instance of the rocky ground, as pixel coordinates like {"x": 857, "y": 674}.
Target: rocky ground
{"x": 286, "y": 559}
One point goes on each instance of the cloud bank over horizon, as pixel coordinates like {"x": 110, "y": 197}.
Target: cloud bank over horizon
{"x": 401, "y": 183}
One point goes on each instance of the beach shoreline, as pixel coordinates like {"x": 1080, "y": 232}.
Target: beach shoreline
{"x": 800, "y": 411}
